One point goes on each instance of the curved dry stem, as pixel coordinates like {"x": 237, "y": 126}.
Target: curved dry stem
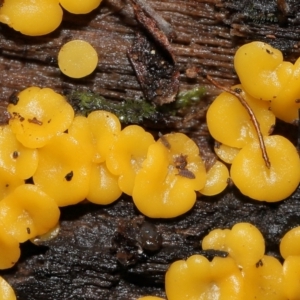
{"x": 252, "y": 116}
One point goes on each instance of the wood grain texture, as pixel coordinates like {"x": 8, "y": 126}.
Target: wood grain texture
{"x": 95, "y": 256}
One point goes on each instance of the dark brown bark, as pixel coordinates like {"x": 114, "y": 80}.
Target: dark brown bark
{"x": 100, "y": 252}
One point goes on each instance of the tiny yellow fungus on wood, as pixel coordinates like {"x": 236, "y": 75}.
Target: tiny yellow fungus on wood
{"x": 173, "y": 171}
{"x": 244, "y": 243}
{"x": 291, "y": 277}
{"x": 80, "y": 6}
{"x": 31, "y": 17}
{"x": 38, "y": 116}
{"x": 250, "y": 174}
{"x": 290, "y": 243}
{"x": 229, "y": 122}
{"x": 77, "y": 59}
{"x": 264, "y": 281}
{"x": 217, "y": 179}
{"x": 197, "y": 278}
{"x": 127, "y": 155}
{"x": 27, "y": 212}
{"x": 6, "y": 291}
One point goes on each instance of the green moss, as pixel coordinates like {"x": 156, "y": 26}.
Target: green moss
{"x": 128, "y": 111}
{"x": 133, "y": 111}
{"x": 189, "y": 97}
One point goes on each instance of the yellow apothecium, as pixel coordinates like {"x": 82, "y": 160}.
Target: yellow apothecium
{"x": 173, "y": 171}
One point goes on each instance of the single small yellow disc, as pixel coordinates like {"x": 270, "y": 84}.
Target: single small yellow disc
{"x": 79, "y": 6}
{"x": 77, "y": 59}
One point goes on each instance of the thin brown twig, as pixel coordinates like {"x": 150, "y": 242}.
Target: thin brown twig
{"x": 252, "y": 116}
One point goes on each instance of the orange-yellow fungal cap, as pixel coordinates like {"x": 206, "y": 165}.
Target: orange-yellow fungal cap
{"x": 8, "y": 182}
{"x": 285, "y": 106}
{"x": 229, "y": 122}
{"x": 226, "y": 153}
{"x": 216, "y": 240}
{"x": 28, "y": 212}
{"x": 264, "y": 281}
{"x": 9, "y": 249}
{"x": 105, "y": 128}
{"x": 217, "y": 179}
{"x": 14, "y": 157}
{"x": 64, "y": 170}
{"x": 250, "y": 174}
{"x": 172, "y": 172}
{"x": 77, "y": 58}
{"x": 31, "y": 17}
{"x": 80, "y": 130}
{"x": 261, "y": 70}
{"x": 197, "y": 278}
{"x": 290, "y": 243}
{"x": 244, "y": 243}
{"x": 291, "y": 277}
{"x": 80, "y": 6}
{"x": 104, "y": 188}
{"x": 128, "y": 154}
{"x": 6, "y": 291}
{"x": 49, "y": 235}
{"x": 39, "y": 115}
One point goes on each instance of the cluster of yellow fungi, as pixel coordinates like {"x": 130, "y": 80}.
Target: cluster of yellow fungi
{"x": 72, "y": 158}
{"x": 245, "y": 274}
{"x": 35, "y": 17}
{"x": 271, "y": 88}
{"x": 69, "y": 158}
{"x": 76, "y": 58}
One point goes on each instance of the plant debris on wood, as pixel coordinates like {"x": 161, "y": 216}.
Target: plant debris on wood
{"x": 153, "y": 61}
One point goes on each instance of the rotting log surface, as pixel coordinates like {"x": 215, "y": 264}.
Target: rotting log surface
{"x": 100, "y": 252}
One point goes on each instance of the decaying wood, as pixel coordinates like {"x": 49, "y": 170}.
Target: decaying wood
{"x": 101, "y": 252}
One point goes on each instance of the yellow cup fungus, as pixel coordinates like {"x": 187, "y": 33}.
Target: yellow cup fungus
{"x": 261, "y": 70}
{"x": 264, "y": 75}
{"x": 14, "y": 157}
{"x": 197, "y": 278}
{"x": 264, "y": 280}
{"x": 9, "y": 249}
{"x": 105, "y": 128}
{"x": 49, "y": 235}
{"x": 291, "y": 277}
{"x": 217, "y": 179}
{"x": 243, "y": 275}
{"x": 226, "y": 153}
{"x": 244, "y": 243}
{"x": 216, "y": 239}
{"x": 229, "y": 122}
{"x": 27, "y": 212}
{"x": 290, "y": 243}
{"x": 173, "y": 170}
{"x": 77, "y": 58}
{"x": 8, "y": 182}
{"x": 250, "y": 174}
{"x": 81, "y": 131}
{"x": 80, "y": 6}
{"x": 6, "y": 291}
{"x": 285, "y": 106}
{"x": 62, "y": 172}
{"x": 103, "y": 187}
{"x": 127, "y": 155}
{"x": 31, "y": 17}
{"x": 39, "y": 115}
